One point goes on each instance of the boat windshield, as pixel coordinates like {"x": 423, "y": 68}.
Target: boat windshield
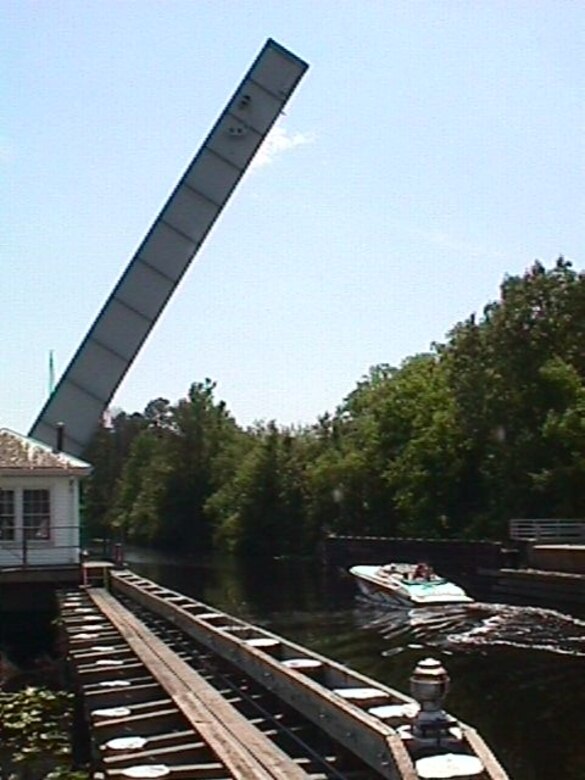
{"x": 410, "y": 573}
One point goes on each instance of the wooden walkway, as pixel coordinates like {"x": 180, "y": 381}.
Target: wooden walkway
{"x": 215, "y": 741}
{"x": 172, "y": 688}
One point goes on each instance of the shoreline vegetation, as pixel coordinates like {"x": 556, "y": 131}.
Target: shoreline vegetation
{"x": 486, "y": 426}
{"x": 39, "y": 727}
{"x": 36, "y": 733}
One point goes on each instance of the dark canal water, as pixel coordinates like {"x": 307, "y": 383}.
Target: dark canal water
{"x": 517, "y": 672}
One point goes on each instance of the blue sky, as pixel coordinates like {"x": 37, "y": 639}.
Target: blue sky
{"x": 432, "y": 148}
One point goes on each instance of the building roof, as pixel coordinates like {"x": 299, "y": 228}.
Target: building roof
{"x": 21, "y": 455}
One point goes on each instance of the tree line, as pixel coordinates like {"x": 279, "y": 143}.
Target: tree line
{"x": 486, "y": 426}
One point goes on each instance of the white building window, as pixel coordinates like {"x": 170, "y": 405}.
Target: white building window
{"x": 36, "y": 514}
{"x": 7, "y": 515}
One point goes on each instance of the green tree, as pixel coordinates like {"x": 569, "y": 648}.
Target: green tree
{"x": 261, "y": 510}
{"x": 107, "y": 453}
{"x": 174, "y": 466}
{"x": 499, "y": 370}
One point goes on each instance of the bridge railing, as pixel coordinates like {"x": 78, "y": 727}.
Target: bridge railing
{"x": 39, "y": 545}
{"x": 548, "y": 529}
{"x": 54, "y": 546}
{"x": 103, "y": 549}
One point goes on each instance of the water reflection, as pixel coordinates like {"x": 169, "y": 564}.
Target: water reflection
{"x": 470, "y": 627}
{"x": 250, "y": 590}
{"x": 517, "y": 675}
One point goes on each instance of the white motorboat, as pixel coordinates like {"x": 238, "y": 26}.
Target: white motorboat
{"x": 407, "y": 584}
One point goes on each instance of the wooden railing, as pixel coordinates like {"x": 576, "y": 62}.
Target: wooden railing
{"x": 548, "y": 530}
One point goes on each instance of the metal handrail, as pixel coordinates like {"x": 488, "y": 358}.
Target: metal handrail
{"x": 547, "y": 528}
{"x": 26, "y": 550}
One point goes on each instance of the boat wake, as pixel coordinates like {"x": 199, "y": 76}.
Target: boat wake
{"x": 469, "y": 627}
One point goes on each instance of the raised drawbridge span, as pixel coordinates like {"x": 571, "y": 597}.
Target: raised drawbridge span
{"x": 113, "y": 341}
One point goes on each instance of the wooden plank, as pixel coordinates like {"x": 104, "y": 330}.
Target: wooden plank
{"x": 172, "y": 754}
{"x": 87, "y": 655}
{"x": 91, "y": 674}
{"x": 245, "y": 751}
{"x": 207, "y": 771}
{"x": 154, "y": 705}
{"x": 493, "y": 769}
{"x": 143, "y": 693}
{"x": 165, "y": 740}
{"x": 142, "y": 724}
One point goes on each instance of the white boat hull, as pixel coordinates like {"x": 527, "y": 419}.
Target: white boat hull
{"x": 396, "y": 589}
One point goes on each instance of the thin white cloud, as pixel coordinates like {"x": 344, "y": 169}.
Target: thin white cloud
{"x": 448, "y": 241}
{"x": 277, "y": 142}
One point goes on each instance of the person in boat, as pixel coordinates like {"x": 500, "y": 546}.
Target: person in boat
{"x": 422, "y": 571}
